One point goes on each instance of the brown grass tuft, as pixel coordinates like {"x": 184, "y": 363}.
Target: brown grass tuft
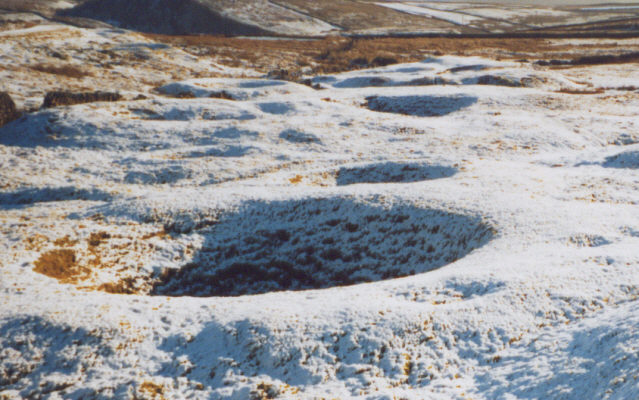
{"x": 124, "y": 286}
{"x": 68, "y": 70}
{"x": 222, "y": 95}
{"x": 152, "y": 390}
{"x": 296, "y": 179}
{"x": 65, "y": 242}
{"x": 96, "y": 238}
{"x": 64, "y": 98}
{"x": 60, "y": 264}
{"x": 8, "y": 110}
{"x": 577, "y": 91}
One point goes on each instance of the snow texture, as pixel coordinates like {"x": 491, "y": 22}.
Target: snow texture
{"x": 453, "y": 228}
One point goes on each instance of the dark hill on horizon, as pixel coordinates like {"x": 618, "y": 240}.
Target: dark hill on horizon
{"x": 162, "y": 16}
{"x": 359, "y": 18}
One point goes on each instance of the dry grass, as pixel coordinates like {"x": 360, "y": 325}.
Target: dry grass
{"x": 62, "y": 265}
{"x": 152, "y": 390}
{"x": 580, "y": 92}
{"x": 17, "y": 24}
{"x": 65, "y": 241}
{"x": 97, "y": 238}
{"x": 63, "y": 98}
{"x": 356, "y": 15}
{"x": 338, "y": 54}
{"x": 124, "y": 286}
{"x": 8, "y": 110}
{"x": 68, "y": 70}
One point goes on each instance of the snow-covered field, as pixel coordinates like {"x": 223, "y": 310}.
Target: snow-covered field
{"x": 454, "y": 17}
{"x": 453, "y": 228}
{"x": 502, "y": 17}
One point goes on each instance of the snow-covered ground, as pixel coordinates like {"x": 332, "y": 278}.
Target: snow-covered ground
{"x": 418, "y": 9}
{"x": 505, "y": 17}
{"x": 452, "y": 228}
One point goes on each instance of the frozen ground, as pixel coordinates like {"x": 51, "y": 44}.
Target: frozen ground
{"x": 508, "y": 16}
{"x": 452, "y": 228}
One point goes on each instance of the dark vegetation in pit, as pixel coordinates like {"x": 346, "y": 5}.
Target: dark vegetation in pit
{"x": 319, "y": 243}
{"x": 390, "y": 172}
{"x": 419, "y": 106}
{"x": 628, "y": 159}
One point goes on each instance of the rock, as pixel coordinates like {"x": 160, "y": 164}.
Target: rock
{"x": 8, "y": 110}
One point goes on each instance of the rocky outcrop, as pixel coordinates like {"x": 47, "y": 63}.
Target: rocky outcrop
{"x": 8, "y": 111}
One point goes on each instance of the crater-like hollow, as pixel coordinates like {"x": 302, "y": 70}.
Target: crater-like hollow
{"x": 391, "y": 172}
{"x": 420, "y": 106}
{"x": 319, "y": 243}
{"x": 629, "y": 159}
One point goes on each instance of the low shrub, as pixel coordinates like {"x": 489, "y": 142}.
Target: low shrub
{"x": 65, "y": 98}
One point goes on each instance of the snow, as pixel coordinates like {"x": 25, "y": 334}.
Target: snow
{"x": 467, "y": 237}
{"x": 609, "y": 8}
{"x": 419, "y": 9}
{"x": 276, "y": 18}
{"x": 513, "y": 14}
{"x": 33, "y": 29}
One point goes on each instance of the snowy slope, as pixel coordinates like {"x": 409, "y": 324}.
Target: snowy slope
{"x": 454, "y": 228}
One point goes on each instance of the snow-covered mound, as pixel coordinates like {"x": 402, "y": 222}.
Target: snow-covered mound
{"x": 450, "y": 70}
{"x": 568, "y": 363}
{"x": 237, "y": 89}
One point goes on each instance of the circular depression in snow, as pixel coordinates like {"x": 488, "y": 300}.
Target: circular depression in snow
{"x": 629, "y": 159}
{"x": 392, "y": 172}
{"x": 420, "y": 106}
{"x": 319, "y": 243}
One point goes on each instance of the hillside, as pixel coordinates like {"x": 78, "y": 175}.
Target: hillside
{"x": 162, "y": 16}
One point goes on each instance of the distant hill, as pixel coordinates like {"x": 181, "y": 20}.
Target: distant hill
{"x": 163, "y": 16}
{"x": 350, "y": 17}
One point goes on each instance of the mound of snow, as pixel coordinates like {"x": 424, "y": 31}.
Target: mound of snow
{"x": 151, "y": 125}
{"x": 582, "y": 361}
{"x": 237, "y": 89}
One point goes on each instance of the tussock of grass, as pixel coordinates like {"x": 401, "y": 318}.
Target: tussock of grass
{"x": 68, "y": 70}
{"x": 60, "y": 264}
{"x": 64, "y": 98}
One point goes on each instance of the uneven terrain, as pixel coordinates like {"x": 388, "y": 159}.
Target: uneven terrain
{"x": 319, "y": 18}
{"x": 229, "y": 218}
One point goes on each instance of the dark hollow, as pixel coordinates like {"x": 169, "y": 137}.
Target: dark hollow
{"x": 319, "y": 243}
{"x": 391, "y": 172}
{"x": 420, "y": 106}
